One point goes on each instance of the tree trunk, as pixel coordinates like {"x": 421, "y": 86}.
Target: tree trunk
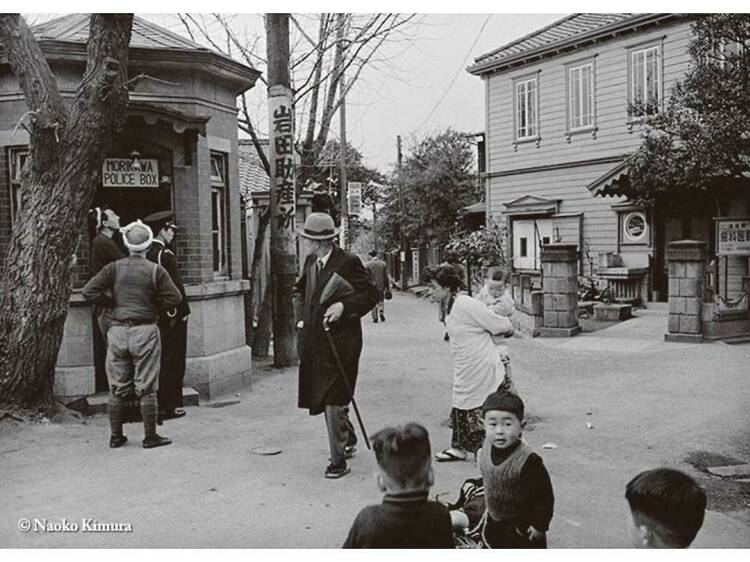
{"x": 58, "y": 187}
{"x": 262, "y": 334}
{"x": 260, "y": 241}
{"x": 309, "y": 157}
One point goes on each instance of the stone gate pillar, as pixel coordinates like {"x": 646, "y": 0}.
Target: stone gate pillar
{"x": 560, "y": 288}
{"x": 687, "y": 273}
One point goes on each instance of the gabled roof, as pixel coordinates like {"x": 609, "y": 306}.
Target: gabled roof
{"x": 564, "y": 34}
{"x": 614, "y": 182}
{"x": 74, "y": 28}
{"x": 253, "y": 178}
{"x": 531, "y": 205}
{"x": 66, "y": 38}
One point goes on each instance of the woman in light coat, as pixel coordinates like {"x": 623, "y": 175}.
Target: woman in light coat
{"x": 477, "y": 371}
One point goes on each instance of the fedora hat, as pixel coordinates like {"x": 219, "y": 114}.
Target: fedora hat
{"x": 319, "y": 226}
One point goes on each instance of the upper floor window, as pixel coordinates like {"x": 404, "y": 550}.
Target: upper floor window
{"x": 645, "y": 81}
{"x": 581, "y": 96}
{"x": 218, "y": 212}
{"x": 18, "y": 157}
{"x": 725, "y": 51}
{"x": 527, "y": 109}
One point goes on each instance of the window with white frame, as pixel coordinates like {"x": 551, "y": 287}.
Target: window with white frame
{"x": 218, "y": 202}
{"x": 725, "y": 51}
{"x": 645, "y": 81}
{"x": 18, "y": 157}
{"x": 527, "y": 109}
{"x": 581, "y": 96}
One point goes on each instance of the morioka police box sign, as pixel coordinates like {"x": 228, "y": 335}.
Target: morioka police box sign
{"x": 733, "y": 237}
{"x": 119, "y": 172}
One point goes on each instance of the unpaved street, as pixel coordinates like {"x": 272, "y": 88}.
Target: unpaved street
{"x": 648, "y": 404}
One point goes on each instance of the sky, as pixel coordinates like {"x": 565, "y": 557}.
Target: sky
{"x": 421, "y": 88}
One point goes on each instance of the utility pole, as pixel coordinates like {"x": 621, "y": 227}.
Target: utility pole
{"x": 404, "y": 249}
{"x": 283, "y": 193}
{"x": 342, "y": 172}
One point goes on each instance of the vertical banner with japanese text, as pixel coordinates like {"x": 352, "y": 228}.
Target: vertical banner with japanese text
{"x": 282, "y": 161}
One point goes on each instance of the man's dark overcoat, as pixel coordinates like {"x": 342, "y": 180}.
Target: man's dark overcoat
{"x": 320, "y": 383}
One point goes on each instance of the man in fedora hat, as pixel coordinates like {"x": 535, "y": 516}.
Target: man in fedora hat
{"x": 172, "y": 323}
{"x": 321, "y": 388}
{"x": 136, "y": 290}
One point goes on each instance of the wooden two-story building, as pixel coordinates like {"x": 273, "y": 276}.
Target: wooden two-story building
{"x": 559, "y": 128}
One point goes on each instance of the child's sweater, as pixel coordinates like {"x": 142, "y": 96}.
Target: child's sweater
{"x": 517, "y": 487}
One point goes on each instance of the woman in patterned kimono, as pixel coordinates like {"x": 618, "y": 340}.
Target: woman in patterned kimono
{"x": 476, "y": 369}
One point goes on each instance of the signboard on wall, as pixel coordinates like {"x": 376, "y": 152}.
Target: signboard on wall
{"x": 733, "y": 237}
{"x": 120, "y": 172}
{"x": 355, "y": 197}
{"x": 415, "y": 265}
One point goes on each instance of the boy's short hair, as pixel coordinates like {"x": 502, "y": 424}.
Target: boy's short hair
{"x": 497, "y": 273}
{"x": 403, "y": 453}
{"x": 671, "y": 501}
{"x": 504, "y": 401}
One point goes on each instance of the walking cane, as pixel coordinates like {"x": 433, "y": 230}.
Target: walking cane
{"x": 326, "y": 329}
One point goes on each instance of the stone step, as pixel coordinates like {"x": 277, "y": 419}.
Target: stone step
{"x": 97, "y": 404}
{"x": 737, "y": 339}
{"x": 731, "y": 471}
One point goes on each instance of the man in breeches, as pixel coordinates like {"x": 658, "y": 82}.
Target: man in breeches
{"x": 136, "y": 290}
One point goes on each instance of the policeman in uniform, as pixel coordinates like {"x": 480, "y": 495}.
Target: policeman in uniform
{"x": 173, "y": 323}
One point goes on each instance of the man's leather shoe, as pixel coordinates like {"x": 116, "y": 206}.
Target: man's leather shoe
{"x": 117, "y": 442}
{"x": 155, "y": 441}
{"x": 337, "y": 471}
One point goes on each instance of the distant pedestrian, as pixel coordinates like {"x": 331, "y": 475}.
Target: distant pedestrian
{"x": 667, "y": 509}
{"x": 173, "y": 324}
{"x": 406, "y": 518}
{"x": 476, "y": 372}
{"x": 379, "y": 276}
{"x": 104, "y": 223}
{"x": 137, "y": 291}
{"x": 321, "y": 386}
{"x": 518, "y": 491}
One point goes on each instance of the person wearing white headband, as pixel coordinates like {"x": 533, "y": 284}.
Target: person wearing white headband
{"x": 136, "y": 290}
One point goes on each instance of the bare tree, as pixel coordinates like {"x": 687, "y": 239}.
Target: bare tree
{"x": 339, "y": 44}
{"x": 66, "y": 148}
{"x": 326, "y": 46}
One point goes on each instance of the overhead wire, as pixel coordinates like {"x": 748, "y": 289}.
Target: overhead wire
{"x": 458, "y": 72}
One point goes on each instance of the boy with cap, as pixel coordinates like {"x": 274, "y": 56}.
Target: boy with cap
{"x": 667, "y": 509}
{"x": 140, "y": 290}
{"x": 518, "y": 491}
{"x": 172, "y": 323}
{"x": 405, "y": 519}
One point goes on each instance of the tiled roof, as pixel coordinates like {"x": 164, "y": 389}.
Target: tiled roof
{"x": 253, "y": 177}
{"x": 75, "y": 28}
{"x": 558, "y": 32}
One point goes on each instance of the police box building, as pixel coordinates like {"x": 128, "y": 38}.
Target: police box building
{"x": 178, "y": 151}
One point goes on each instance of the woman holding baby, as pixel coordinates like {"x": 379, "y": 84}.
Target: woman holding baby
{"x": 477, "y": 371}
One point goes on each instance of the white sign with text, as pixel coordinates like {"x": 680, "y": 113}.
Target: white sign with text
{"x": 119, "y": 172}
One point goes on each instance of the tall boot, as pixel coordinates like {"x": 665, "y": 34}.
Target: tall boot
{"x": 149, "y": 411}
{"x": 116, "y": 411}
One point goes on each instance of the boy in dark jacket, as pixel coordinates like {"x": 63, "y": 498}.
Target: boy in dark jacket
{"x": 518, "y": 491}
{"x": 405, "y": 519}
